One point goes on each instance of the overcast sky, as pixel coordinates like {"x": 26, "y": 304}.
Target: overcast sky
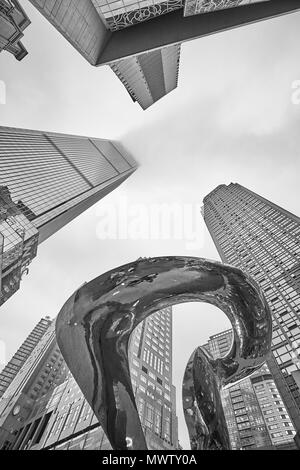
{"x": 231, "y": 119}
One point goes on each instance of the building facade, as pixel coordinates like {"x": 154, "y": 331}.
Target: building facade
{"x": 149, "y": 76}
{"x": 13, "y": 22}
{"x": 196, "y": 7}
{"x": 19, "y": 358}
{"x": 46, "y": 180}
{"x": 59, "y": 417}
{"x": 255, "y": 413}
{"x": 40, "y": 374}
{"x": 141, "y": 40}
{"x": 262, "y": 239}
{"x": 151, "y": 372}
{"x": 18, "y": 244}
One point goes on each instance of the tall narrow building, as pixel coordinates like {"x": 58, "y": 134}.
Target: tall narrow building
{"x": 20, "y": 357}
{"x": 262, "y": 239}
{"x": 13, "y": 22}
{"x": 151, "y": 373}
{"x": 59, "y": 417}
{"x": 40, "y": 374}
{"x": 141, "y": 40}
{"x": 46, "y": 180}
{"x": 255, "y": 414}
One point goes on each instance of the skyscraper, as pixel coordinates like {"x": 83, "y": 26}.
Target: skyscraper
{"x": 46, "y": 180}
{"x": 19, "y": 358}
{"x": 141, "y": 40}
{"x": 59, "y": 417}
{"x": 151, "y": 372}
{"x": 13, "y": 21}
{"x": 39, "y": 375}
{"x": 255, "y": 414}
{"x": 262, "y": 239}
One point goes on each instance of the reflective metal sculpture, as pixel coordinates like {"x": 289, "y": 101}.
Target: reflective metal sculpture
{"x": 94, "y": 326}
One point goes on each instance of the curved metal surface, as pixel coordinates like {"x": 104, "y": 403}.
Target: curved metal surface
{"x": 202, "y": 406}
{"x": 94, "y": 326}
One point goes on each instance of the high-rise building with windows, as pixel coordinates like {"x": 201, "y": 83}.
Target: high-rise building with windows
{"x": 151, "y": 373}
{"x": 19, "y": 358}
{"x": 141, "y": 40}
{"x": 255, "y": 414}
{"x": 262, "y": 239}
{"x": 46, "y": 180}
{"x": 13, "y": 21}
{"x": 44, "y": 408}
{"x": 40, "y": 374}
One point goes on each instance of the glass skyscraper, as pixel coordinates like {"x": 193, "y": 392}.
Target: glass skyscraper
{"x": 44, "y": 408}
{"x": 46, "y": 180}
{"x": 255, "y": 414}
{"x": 263, "y": 240}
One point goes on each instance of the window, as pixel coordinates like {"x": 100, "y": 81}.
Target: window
{"x": 276, "y": 434}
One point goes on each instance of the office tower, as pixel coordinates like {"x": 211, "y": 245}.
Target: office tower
{"x": 46, "y": 180}
{"x": 141, "y": 40}
{"x": 19, "y": 358}
{"x": 151, "y": 372}
{"x": 255, "y": 414}
{"x": 61, "y": 418}
{"x": 70, "y": 422}
{"x": 13, "y": 21}
{"x": 40, "y": 374}
{"x": 262, "y": 239}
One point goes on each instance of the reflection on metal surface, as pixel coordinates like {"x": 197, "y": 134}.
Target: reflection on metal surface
{"x": 202, "y": 406}
{"x": 94, "y": 326}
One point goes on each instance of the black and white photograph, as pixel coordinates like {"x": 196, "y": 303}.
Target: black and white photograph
{"x": 149, "y": 230}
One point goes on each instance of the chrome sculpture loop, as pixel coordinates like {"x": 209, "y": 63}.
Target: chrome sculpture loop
{"x": 94, "y": 326}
